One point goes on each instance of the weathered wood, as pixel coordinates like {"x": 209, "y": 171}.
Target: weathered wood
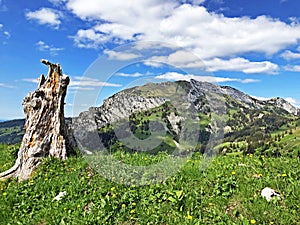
{"x": 45, "y": 129}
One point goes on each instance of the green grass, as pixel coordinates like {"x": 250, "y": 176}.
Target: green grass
{"x": 227, "y": 191}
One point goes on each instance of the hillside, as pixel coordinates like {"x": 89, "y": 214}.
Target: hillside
{"x": 12, "y": 131}
{"x": 244, "y": 124}
{"x": 227, "y": 192}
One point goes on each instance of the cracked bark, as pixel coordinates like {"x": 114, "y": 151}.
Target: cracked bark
{"x": 45, "y": 128}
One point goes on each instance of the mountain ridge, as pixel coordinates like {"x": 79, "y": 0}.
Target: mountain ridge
{"x": 229, "y": 111}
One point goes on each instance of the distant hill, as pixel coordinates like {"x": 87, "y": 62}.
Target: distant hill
{"x": 11, "y": 132}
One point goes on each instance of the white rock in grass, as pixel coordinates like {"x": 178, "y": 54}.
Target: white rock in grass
{"x": 269, "y": 193}
{"x": 59, "y": 196}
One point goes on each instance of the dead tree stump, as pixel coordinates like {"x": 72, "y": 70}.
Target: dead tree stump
{"x": 45, "y": 128}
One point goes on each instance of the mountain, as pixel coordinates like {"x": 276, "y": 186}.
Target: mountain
{"x": 195, "y": 113}
{"x": 217, "y": 111}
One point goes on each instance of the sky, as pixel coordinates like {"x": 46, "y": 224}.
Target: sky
{"x": 106, "y": 46}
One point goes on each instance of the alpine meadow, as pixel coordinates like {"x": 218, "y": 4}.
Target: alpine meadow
{"x": 149, "y": 112}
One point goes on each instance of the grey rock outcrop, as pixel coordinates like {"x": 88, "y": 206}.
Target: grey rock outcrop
{"x": 282, "y": 103}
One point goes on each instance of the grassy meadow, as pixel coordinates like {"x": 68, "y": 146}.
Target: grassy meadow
{"x": 226, "y": 192}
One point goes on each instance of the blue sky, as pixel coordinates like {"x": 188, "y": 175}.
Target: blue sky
{"x": 106, "y": 46}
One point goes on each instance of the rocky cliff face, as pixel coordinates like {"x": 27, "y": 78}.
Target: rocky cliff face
{"x": 282, "y": 103}
{"x": 129, "y": 101}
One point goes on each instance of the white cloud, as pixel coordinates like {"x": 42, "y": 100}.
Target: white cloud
{"x": 247, "y": 81}
{"x": 211, "y": 79}
{"x": 5, "y": 33}
{"x": 42, "y": 46}
{"x": 89, "y": 38}
{"x": 81, "y": 88}
{"x": 31, "y": 80}
{"x": 45, "y": 16}
{"x": 185, "y": 59}
{"x": 291, "y": 100}
{"x": 123, "y": 56}
{"x": 207, "y": 34}
{"x": 130, "y": 74}
{"x": 295, "y": 68}
{"x": 288, "y": 55}
{"x": 87, "y": 83}
{"x": 241, "y": 64}
{"x": 2, "y": 85}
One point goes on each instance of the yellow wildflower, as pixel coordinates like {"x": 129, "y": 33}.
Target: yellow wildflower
{"x": 132, "y": 211}
{"x": 123, "y": 205}
{"x": 252, "y": 221}
{"x": 134, "y": 204}
{"x": 233, "y": 172}
{"x": 284, "y": 175}
{"x": 189, "y": 217}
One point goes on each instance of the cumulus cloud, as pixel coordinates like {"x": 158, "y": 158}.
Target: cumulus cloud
{"x": 43, "y": 47}
{"x": 211, "y": 79}
{"x": 241, "y": 64}
{"x": 45, "y": 16}
{"x": 207, "y": 34}
{"x": 288, "y": 55}
{"x": 292, "y": 68}
{"x": 122, "y": 56}
{"x": 185, "y": 59}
